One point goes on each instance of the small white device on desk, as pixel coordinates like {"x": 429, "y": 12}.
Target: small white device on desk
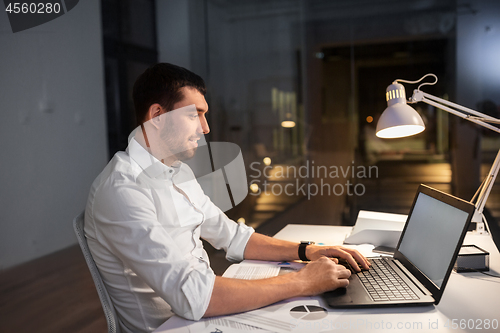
{"x": 378, "y": 229}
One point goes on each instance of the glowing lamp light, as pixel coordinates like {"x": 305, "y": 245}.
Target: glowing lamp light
{"x": 267, "y": 160}
{"x": 241, "y": 220}
{"x": 288, "y": 123}
{"x": 400, "y": 131}
{"x": 254, "y": 188}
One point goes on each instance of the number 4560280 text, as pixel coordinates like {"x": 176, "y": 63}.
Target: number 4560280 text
{"x": 33, "y": 8}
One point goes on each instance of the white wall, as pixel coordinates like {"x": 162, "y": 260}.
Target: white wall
{"x": 49, "y": 158}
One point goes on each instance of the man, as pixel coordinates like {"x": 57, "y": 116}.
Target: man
{"x": 146, "y": 213}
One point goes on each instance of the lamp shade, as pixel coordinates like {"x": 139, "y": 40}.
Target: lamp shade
{"x": 399, "y": 119}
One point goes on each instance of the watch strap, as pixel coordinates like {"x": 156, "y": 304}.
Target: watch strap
{"x": 302, "y": 250}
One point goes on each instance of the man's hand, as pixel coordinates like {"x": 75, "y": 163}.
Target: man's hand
{"x": 353, "y": 257}
{"x": 235, "y": 295}
{"x": 260, "y": 247}
{"x": 322, "y": 275}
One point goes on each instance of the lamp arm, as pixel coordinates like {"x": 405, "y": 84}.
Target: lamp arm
{"x": 420, "y": 96}
{"x": 488, "y": 184}
{"x": 485, "y": 120}
{"x": 458, "y": 106}
{"x": 478, "y": 118}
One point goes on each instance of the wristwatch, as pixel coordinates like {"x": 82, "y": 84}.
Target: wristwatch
{"x": 302, "y": 250}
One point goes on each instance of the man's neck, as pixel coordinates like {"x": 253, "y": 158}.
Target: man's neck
{"x": 142, "y": 138}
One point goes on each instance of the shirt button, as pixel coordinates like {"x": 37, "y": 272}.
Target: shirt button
{"x": 170, "y": 171}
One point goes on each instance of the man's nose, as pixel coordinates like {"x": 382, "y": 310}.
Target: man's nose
{"x": 204, "y": 125}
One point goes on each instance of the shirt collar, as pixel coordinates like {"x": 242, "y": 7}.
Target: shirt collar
{"x": 150, "y": 164}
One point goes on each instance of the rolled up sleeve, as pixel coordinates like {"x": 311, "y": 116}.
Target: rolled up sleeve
{"x": 224, "y": 233}
{"x": 195, "y": 288}
{"x": 236, "y": 249}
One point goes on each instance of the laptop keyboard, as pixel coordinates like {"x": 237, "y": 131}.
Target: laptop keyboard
{"x": 383, "y": 284}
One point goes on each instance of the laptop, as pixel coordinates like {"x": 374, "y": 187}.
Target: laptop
{"x": 425, "y": 254}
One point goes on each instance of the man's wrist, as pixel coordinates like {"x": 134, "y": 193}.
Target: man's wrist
{"x": 302, "y": 250}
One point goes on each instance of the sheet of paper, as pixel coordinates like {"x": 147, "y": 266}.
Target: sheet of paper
{"x": 298, "y": 315}
{"x": 251, "y": 272}
{"x": 233, "y": 325}
{"x": 253, "y": 269}
{"x": 224, "y": 324}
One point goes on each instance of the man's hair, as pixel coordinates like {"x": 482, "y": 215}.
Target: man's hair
{"x": 162, "y": 83}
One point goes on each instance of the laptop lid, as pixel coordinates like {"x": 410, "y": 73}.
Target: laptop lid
{"x": 432, "y": 236}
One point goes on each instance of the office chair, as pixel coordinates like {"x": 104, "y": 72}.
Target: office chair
{"x": 107, "y": 306}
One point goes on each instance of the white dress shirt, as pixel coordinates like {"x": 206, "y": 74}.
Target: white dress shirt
{"x": 143, "y": 223}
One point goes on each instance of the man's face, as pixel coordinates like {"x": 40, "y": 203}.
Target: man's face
{"x": 183, "y": 128}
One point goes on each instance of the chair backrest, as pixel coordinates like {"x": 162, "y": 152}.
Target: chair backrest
{"x": 107, "y": 306}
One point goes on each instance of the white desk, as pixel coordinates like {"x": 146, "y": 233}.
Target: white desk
{"x": 469, "y": 301}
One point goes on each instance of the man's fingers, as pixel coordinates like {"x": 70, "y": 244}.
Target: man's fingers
{"x": 344, "y": 273}
{"x": 361, "y": 259}
{"x": 343, "y": 283}
{"x": 353, "y": 263}
{"x": 350, "y": 259}
{"x": 354, "y": 257}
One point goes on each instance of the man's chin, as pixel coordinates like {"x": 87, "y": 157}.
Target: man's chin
{"x": 186, "y": 154}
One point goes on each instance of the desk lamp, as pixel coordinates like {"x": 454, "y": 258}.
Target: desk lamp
{"x": 401, "y": 120}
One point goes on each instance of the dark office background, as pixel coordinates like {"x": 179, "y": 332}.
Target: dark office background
{"x": 65, "y": 96}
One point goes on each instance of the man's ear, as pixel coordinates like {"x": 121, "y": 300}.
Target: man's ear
{"x": 154, "y": 111}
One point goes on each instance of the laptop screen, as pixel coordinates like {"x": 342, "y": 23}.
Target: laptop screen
{"x": 433, "y": 230}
